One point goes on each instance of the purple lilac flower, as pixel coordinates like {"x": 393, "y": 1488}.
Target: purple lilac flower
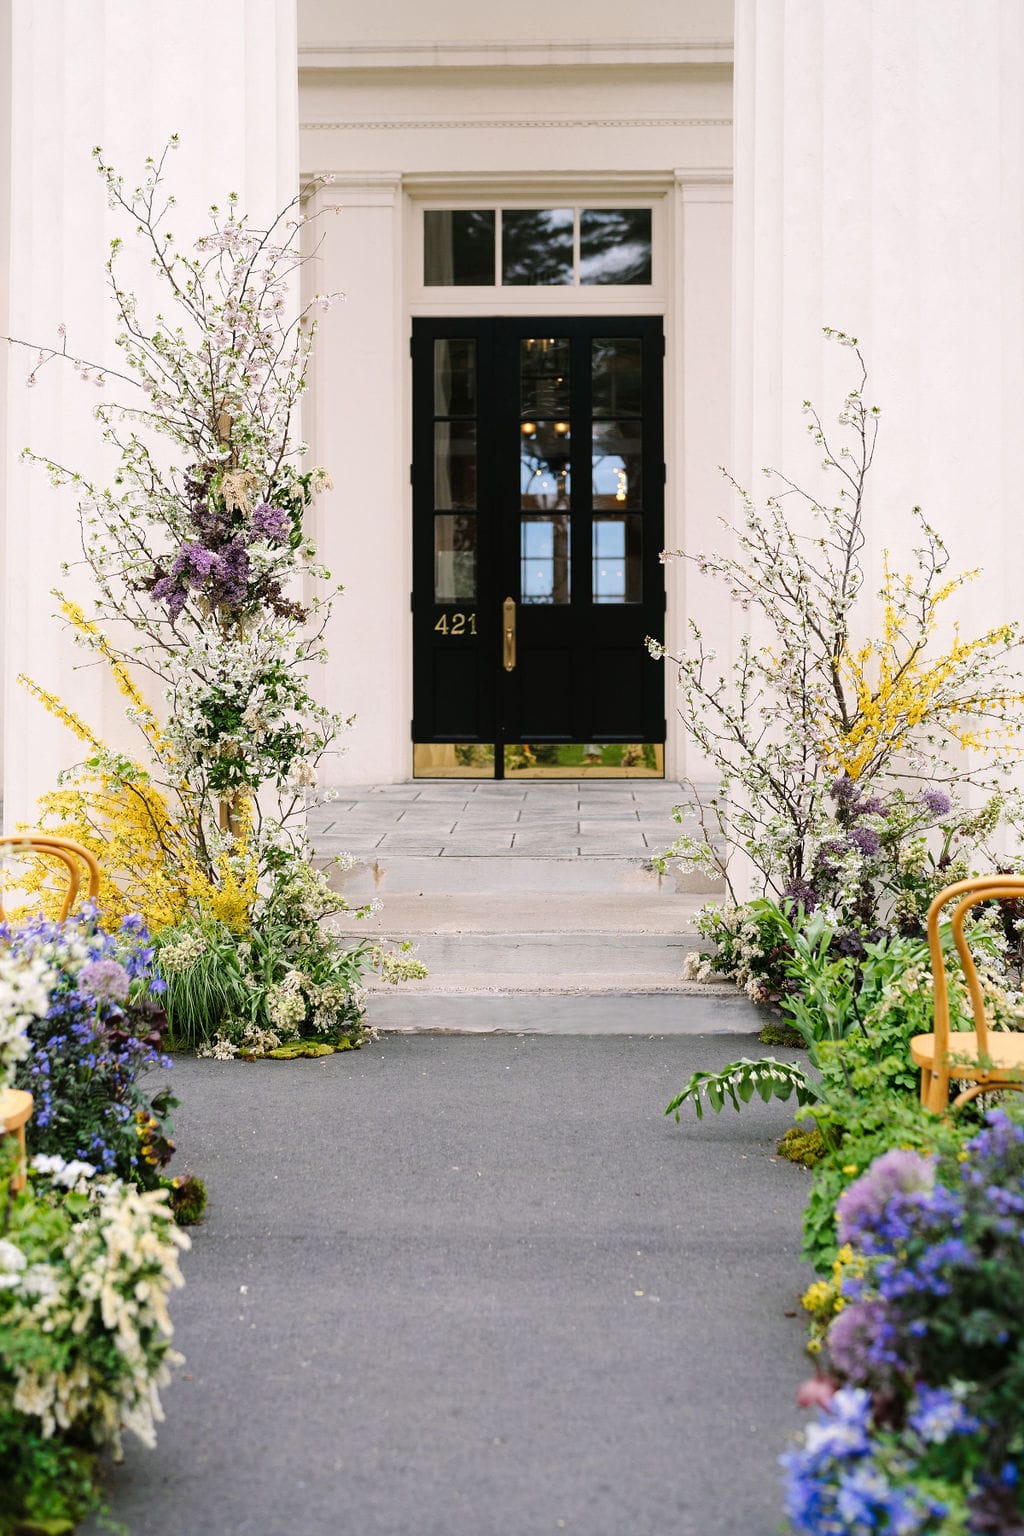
{"x": 802, "y": 894}
{"x": 105, "y": 981}
{"x": 861, "y": 1205}
{"x": 230, "y": 576}
{"x": 935, "y": 801}
{"x": 270, "y": 523}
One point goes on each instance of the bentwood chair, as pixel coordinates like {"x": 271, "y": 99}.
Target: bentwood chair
{"x": 987, "y": 1058}
{"x": 71, "y": 855}
{"x": 15, "y": 1111}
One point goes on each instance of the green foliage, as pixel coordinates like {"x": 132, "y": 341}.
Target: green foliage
{"x": 740, "y": 1080}
{"x": 799, "y": 1145}
{"x": 774, "y": 1033}
{"x": 47, "y": 1486}
{"x": 188, "y": 1196}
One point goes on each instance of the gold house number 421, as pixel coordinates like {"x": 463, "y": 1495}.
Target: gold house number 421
{"x": 456, "y": 624}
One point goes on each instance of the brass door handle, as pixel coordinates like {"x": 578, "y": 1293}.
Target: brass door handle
{"x": 508, "y": 609}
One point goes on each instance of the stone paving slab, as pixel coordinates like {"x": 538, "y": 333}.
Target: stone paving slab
{"x": 478, "y": 1287}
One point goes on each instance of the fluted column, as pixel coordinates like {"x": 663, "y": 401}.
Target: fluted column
{"x": 878, "y": 186}
{"x": 125, "y": 76}
{"x": 879, "y": 160}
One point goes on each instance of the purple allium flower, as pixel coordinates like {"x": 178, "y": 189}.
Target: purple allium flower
{"x": 935, "y": 801}
{"x": 861, "y": 1205}
{"x": 858, "y": 1341}
{"x": 872, "y": 805}
{"x": 865, "y": 840}
{"x": 270, "y": 523}
{"x": 105, "y": 981}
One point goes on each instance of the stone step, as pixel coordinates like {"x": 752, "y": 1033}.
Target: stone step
{"x": 387, "y": 874}
{"x": 542, "y": 936}
{"x": 419, "y": 1007}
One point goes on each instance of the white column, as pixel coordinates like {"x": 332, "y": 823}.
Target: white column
{"x": 358, "y": 429}
{"x": 697, "y": 416}
{"x": 222, "y": 75}
{"x": 879, "y": 160}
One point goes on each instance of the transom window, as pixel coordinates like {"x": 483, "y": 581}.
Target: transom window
{"x": 536, "y": 247}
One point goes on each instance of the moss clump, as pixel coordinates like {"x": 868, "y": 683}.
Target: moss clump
{"x": 800, "y": 1146}
{"x": 188, "y": 1199}
{"x": 781, "y": 1034}
{"x": 293, "y": 1048}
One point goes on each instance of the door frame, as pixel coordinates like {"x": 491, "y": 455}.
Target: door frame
{"x": 499, "y": 703}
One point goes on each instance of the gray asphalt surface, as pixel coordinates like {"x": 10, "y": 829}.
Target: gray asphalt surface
{"x": 478, "y": 1286}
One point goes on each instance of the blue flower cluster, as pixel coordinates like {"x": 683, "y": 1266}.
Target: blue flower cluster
{"x": 849, "y": 1480}
{"x": 102, "y": 1031}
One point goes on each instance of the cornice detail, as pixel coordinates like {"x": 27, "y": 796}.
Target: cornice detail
{"x": 419, "y": 124}
{"x": 511, "y": 51}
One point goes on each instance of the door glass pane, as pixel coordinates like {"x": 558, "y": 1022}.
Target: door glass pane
{"x": 616, "y": 464}
{"x": 544, "y": 376}
{"x": 616, "y": 551}
{"x": 615, "y": 245}
{"x": 455, "y": 376}
{"x": 545, "y": 479}
{"x": 454, "y": 464}
{"x": 544, "y": 551}
{"x": 616, "y": 371}
{"x": 458, "y": 247}
{"x": 536, "y": 245}
{"x": 454, "y": 559}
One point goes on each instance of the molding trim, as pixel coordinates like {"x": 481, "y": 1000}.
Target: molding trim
{"x": 419, "y": 124}
{"x": 536, "y": 183}
{"x": 513, "y": 51}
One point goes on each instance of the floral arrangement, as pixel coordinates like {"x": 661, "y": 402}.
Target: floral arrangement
{"x": 209, "y": 584}
{"x": 95, "y": 1028}
{"x": 810, "y": 714}
{"x": 922, "y": 1325}
{"x": 87, "y": 1264}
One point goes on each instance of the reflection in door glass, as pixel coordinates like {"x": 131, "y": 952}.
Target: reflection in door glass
{"x": 454, "y": 558}
{"x": 544, "y": 376}
{"x": 545, "y": 479}
{"x": 544, "y": 551}
{"x": 616, "y": 465}
{"x": 458, "y": 247}
{"x": 615, "y": 245}
{"x": 454, "y": 464}
{"x": 455, "y": 376}
{"x": 616, "y": 551}
{"x": 616, "y": 372}
{"x": 536, "y": 245}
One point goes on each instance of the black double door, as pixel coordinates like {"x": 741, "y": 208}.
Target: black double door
{"x": 538, "y": 519}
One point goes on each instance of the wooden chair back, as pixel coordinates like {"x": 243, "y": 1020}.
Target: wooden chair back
{"x": 967, "y": 894}
{"x": 71, "y": 855}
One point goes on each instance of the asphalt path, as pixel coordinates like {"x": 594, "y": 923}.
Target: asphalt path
{"x": 478, "y": 1286}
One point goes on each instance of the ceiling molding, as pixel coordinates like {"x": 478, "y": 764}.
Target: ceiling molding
{"x": 512, "y": 51}
{"x": 556, "y": 124}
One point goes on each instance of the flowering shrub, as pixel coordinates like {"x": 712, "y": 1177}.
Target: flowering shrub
{"x": 86, "y": 1268}
{"x": 814, "y": 714}
{"x": 922, "y": 1319}
{"x": 208, "y": 581}
{"x": 851, "y": 1478}
{"x": 94, "y": 1029}
{"x": 288, "y": 978}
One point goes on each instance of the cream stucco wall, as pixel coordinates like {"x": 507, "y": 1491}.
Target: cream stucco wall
{"x": 475, "y": 116}
{"x": 124, "y": 76}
